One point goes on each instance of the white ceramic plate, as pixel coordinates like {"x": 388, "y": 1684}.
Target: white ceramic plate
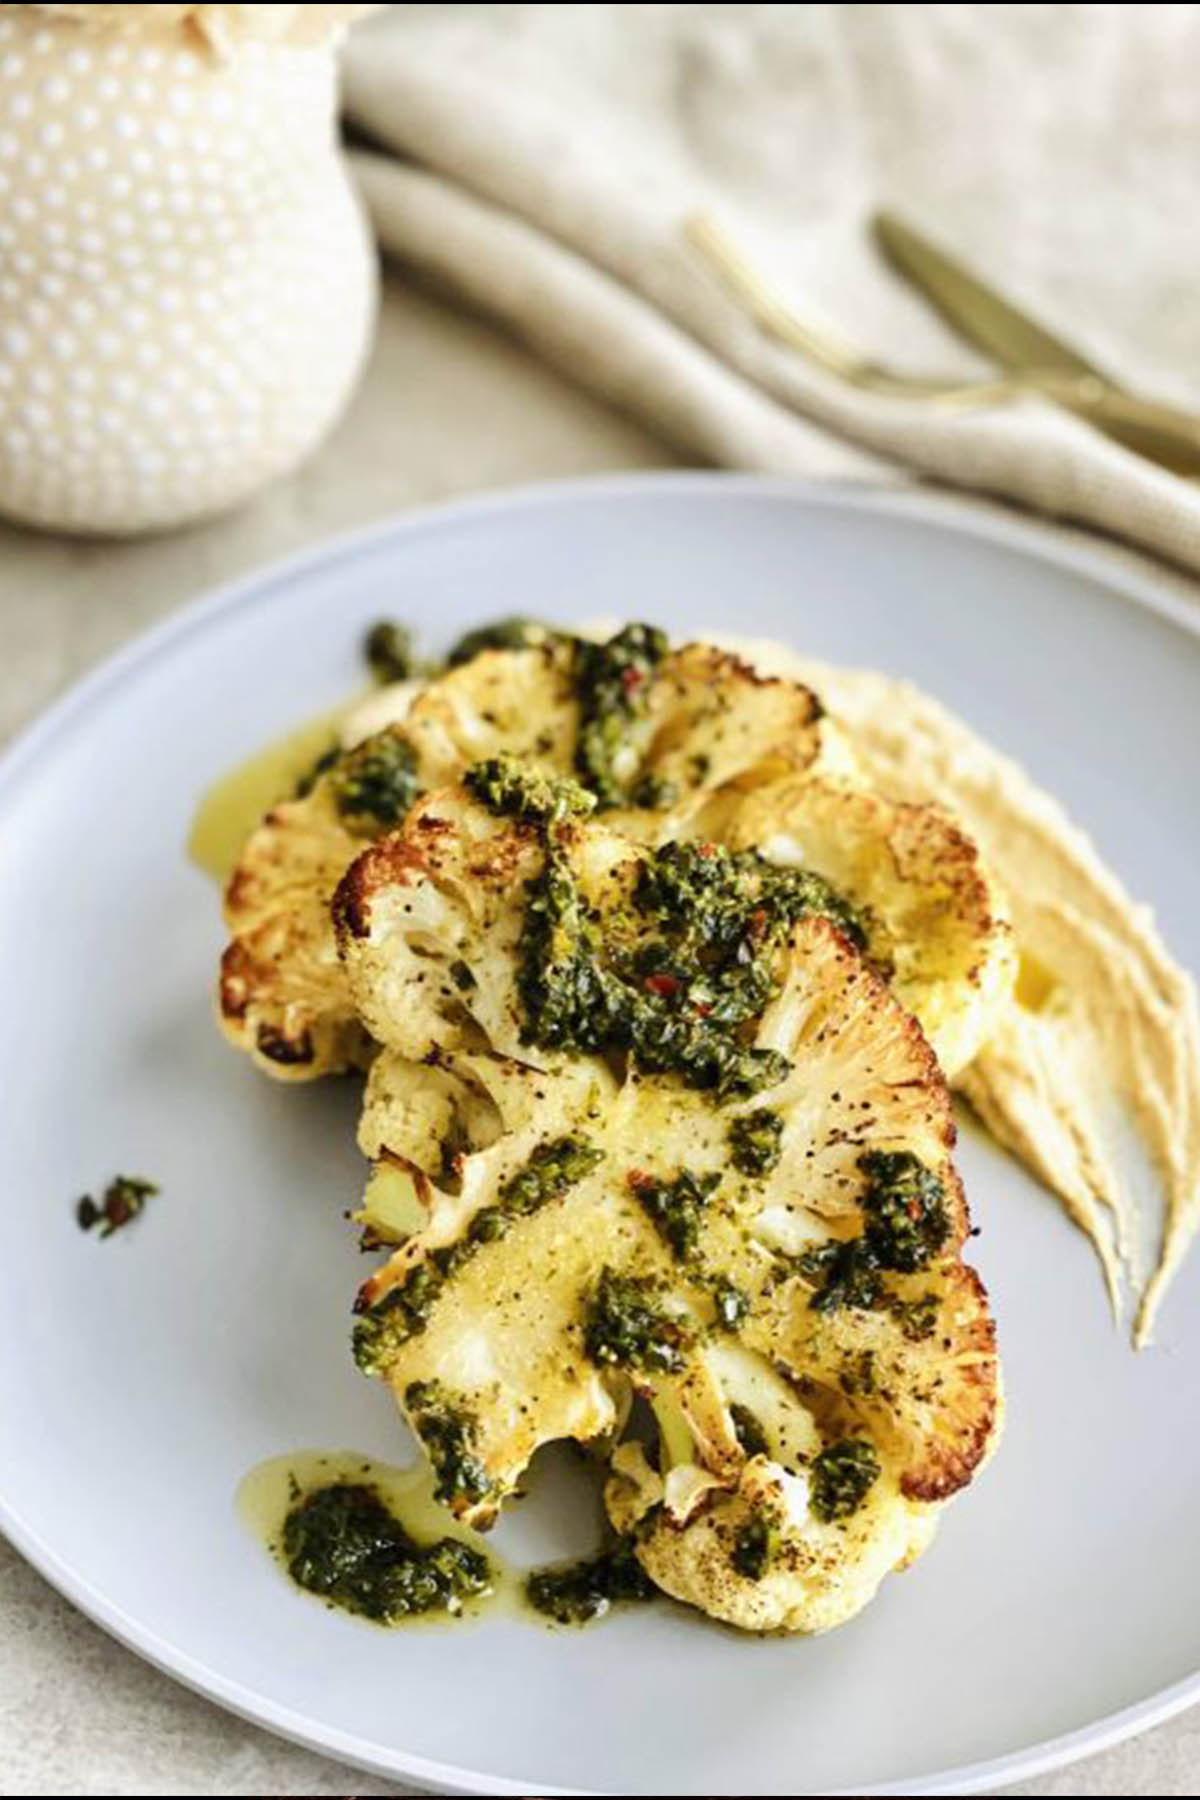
{"x": 1060, "y": 1607}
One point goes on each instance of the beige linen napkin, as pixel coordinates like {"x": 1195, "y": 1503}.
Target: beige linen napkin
{"x": 538, "y": 161}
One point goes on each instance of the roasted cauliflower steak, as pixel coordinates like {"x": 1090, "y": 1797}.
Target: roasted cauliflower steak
{"x": 704, "y": 725}
{"x": 647, "y": 1123}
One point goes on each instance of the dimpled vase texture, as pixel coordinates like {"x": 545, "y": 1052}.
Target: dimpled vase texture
{"x": 186, "y": 284}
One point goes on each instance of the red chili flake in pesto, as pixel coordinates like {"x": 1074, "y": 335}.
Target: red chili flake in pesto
{"x": 663, "y": 985}
{"x": 632, "y": 679}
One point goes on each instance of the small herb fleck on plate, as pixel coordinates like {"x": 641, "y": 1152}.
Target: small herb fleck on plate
{"x": 123, "y": 1200}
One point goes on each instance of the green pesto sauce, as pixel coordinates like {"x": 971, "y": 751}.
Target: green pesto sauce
{"x": 626, "y": 1327}
{"x": 388, "y": 649}
{"x": 749, "y": 1432}
{"x": 755, "y": 1544}
{"x": 906, "y": 1225}
{"x": 587, "y": 1590}
{"x": 708, "y": 926}
{"x": 846, "y": 1274}
{"x": 448, "y": 1431}
{"x": 384, "y": 1561}
{"x": 917, "y": 1317}
{"x": 389, "y": 653}
{"x": 506, "y": 785}
{"x": 756, "y": 1142}
{"x": 343, "y": 1543}
{"x": 841, "y": 1477}
{"x": 676, "y": 1207}
{"x": 612, "y": 684}
{"x": 403, "y": 1312}
{"x": 375, "y": 783}
{"x": 515, "y": 633}
{"x": 905, "y": 1204}
{"x": 731, "y": 1305}
{"x": 717, "y": 898}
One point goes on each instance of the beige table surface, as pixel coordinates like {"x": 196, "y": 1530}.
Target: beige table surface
{"x": 447, "y": 407}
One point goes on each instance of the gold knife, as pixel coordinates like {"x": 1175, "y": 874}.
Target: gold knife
{"x": 1168, "y": 435}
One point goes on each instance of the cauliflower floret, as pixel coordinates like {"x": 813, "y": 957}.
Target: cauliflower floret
{"x": 519, "y": 701}
{"x": 714, "y": 729}
{"x": 938, "y": 925}
{"x": 757, "y": 1557}
{"x": 282, "y": 994}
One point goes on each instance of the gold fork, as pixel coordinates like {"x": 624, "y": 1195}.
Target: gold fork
{"x": 1163, "y": 434}
{"x": 821, "y": 343}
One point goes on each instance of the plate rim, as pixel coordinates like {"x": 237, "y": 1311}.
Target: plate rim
{"x": 1160, "y": 594}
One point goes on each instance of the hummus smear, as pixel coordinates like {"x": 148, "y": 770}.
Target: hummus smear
{"x": 1104, "y": 1018}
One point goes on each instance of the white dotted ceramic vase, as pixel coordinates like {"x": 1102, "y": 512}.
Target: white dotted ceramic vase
{"x": 187, "y": 286}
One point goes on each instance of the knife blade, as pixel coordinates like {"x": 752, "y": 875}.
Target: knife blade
{"x": 1168, "y": 435}
{"x": 976, "y": 311}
